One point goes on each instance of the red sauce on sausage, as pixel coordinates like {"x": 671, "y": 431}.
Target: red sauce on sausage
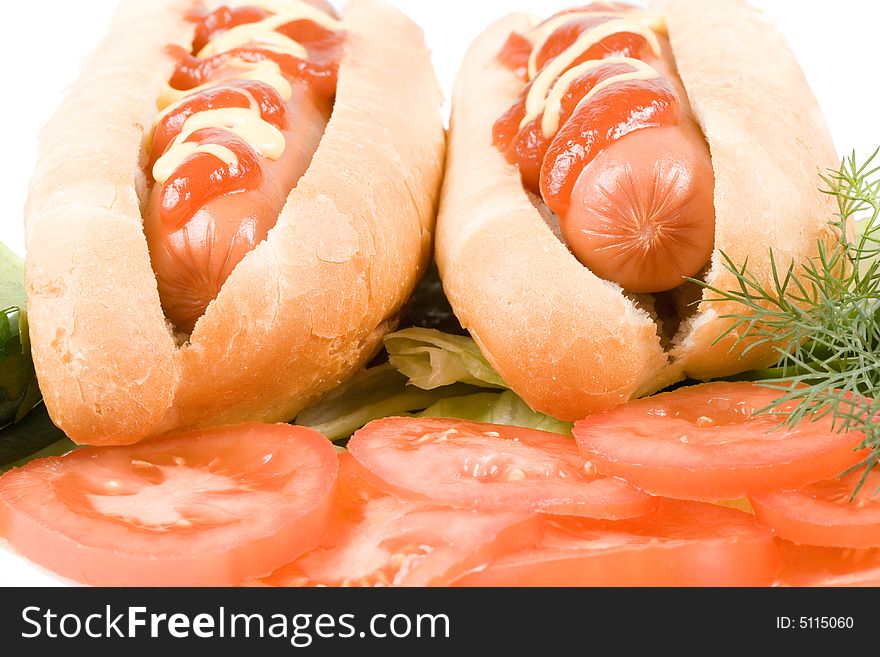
{"x": 517, "y": 49}
{"x": 611, "y": 114}
{"x": 551, "y": 165}
{"x": 623, "y": 44}
{"x": 235, "y": 93}
{"x": 319, "y": 69}
{"x": 515, "y": 54}
{"x": 202, "y": 177}
{"x": 222, "y": 19}
{"x": 637, "y": 211}
{"x": 185, "y": 192}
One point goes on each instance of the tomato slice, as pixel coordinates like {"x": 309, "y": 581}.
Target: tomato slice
{"x": 679, "y": 544}
{"x": 822, "y": 513}
{"x": 807, "y": 565}
{"x": 705, "y": 442}
{"x": 379, "y": 540}
{"x": 209, "y": 507}
{"x": 474, "y": 465}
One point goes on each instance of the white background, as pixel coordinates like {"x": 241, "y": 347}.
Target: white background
{"x": 43, "y": 43}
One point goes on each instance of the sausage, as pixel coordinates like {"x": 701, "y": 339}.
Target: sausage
{"x": 642, "y": 212}
{"x": 247, "y": 112}
{"x": 193, "y": 259}
{"x": 603, "y": 131}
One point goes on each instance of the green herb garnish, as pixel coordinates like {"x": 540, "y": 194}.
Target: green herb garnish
{"x": 823, "y": 316}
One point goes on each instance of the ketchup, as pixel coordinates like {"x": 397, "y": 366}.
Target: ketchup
{"x": 615, "y": 112}
{"x": 638, "y": 211}
{"x": 222, "y": 19}
{"x": 550, "y": 164}
{"x": 235, "y": 93}
{"x": 202, "y": 176}
{"x": 320, "y": 69}
{"x": 623, "y": 44}
{"x": 515, "y": 54}
{"x": 185, "y": 191}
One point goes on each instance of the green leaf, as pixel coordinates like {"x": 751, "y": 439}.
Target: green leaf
{"x": 821, "y": 315}
{"x": 19, "y": 392}
{"x": 370, "y": 394}
{"x": 498, "y": 408}
{"x": 12, "y": 293}
{"x": 429, "y": 374}
{"x": 432, "y": 359}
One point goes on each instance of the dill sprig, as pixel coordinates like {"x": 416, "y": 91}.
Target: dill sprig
{"x": 823, "y": 316}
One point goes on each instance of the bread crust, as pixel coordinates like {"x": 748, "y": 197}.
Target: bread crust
{"x": 299, "y": 314}
{"x": 567, "y": 341}
{"x": 750, "y": 96}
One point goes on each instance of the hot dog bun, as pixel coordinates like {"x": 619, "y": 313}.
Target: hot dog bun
{"x": 569, "y": 342}
{"x": 301, "y": 311}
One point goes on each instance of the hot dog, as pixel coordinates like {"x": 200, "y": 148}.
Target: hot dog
{"x": 217, "y": 229}
{"x": 601, "y": 156}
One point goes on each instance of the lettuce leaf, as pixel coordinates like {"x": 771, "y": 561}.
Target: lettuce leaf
{"x": 429, "y": 374}
{"x": 431, "y": 359}
{"x": 371, "y": 394}
{"x": 497, "y": 408}
{"x": 19, "y": 391}
{"x": 12, "y": 293}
